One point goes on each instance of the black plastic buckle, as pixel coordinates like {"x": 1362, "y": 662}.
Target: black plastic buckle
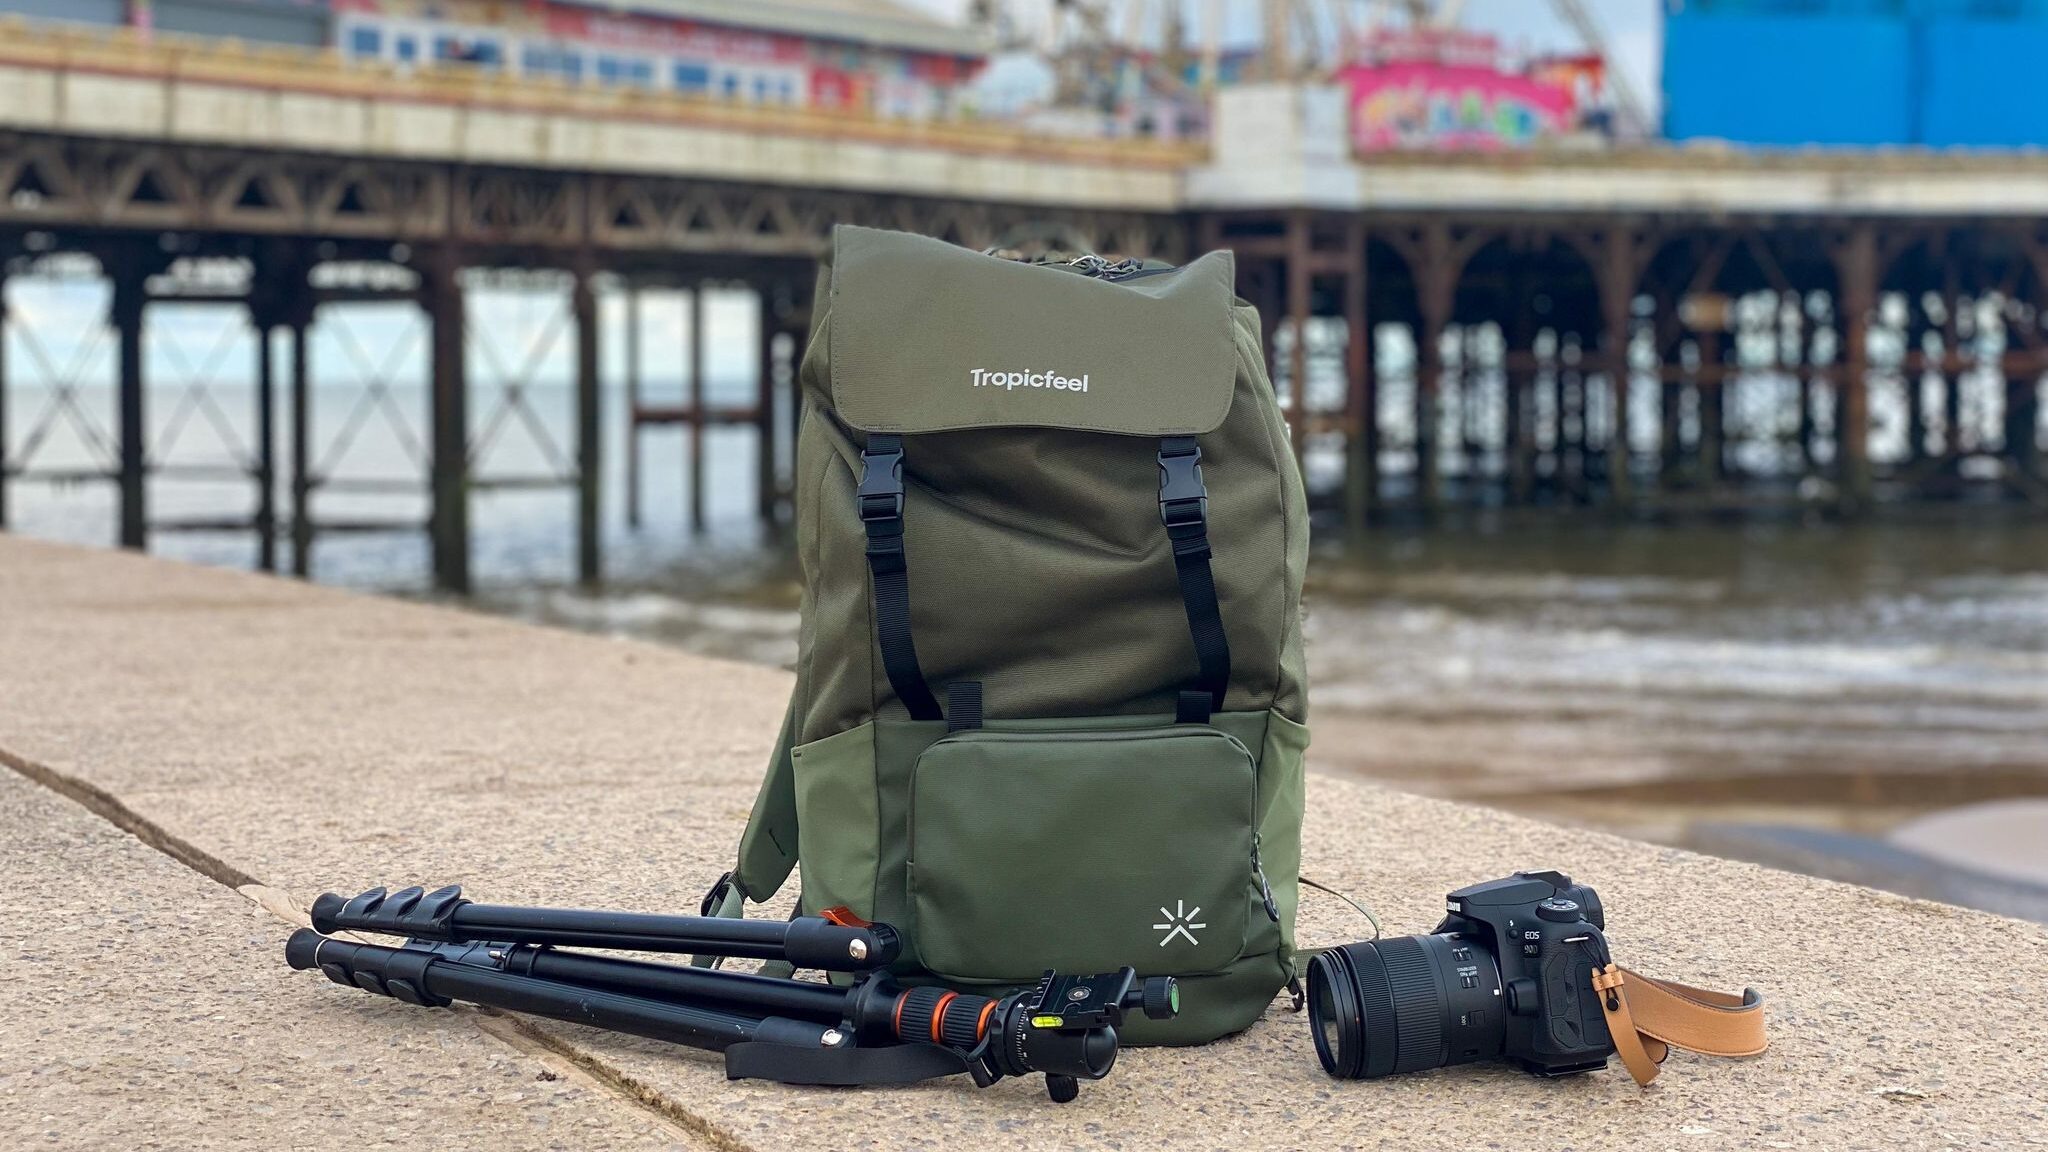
{"x": 716, "y": 895}
{"x": 1183, "y": 498}
{"x": 880, "y": 495}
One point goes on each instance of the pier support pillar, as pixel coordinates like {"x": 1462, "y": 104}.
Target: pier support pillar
{"x": 129, "y": 304}
{"x": 698, "y": 357}
{"x": 1914, "y": 379}
{"x": 442, "y": 295}
{"x": 266, "y": 443}
{"x": 589, "y": 430}
{"x": 2023, "y": 403}
{"x": 278, "y": 297}
{"x": 1518, "y": 381}
{"x": 1668, "y": 340}
{"x": 1362, "y": 468}
{"x": 1710, "y": 389}
{"x": 1857, "y": 273}
{"x": 298, "y": 323}
{"x": 1623, "y": 253}
{"x": 4, "y": 465}
{"x": 1299, "y": 289}
{"x": 632, "y": 405}
{"x": 1436, "y": 270}
{"x": 767, "y": 328}
{"x": 2022, "y": 421}
{"x": 1953, "y": 370}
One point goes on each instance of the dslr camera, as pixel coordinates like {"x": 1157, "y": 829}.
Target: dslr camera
{"x": 1507, "y": 975}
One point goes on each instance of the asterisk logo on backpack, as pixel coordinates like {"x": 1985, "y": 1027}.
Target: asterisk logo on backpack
{"x": 1179, "y": 922}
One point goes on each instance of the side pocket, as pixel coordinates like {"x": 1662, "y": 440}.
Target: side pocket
{"x": 839, "y": 824}
{"x": 1280, "y": 810}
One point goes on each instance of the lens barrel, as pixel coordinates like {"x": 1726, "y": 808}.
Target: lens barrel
{"x": 1404, "y": 1004}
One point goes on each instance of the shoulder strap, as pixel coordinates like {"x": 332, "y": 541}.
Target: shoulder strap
{"x": 1646, "y": 1017}
{"x": 768, "y": 846}
{"x": 1184, "y": 509}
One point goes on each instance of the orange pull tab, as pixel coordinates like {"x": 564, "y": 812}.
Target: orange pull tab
{"x": 844, "y": 917}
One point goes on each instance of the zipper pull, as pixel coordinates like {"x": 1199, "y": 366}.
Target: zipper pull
{"x": 1265, "y": 889}
{"x": 1100, "y": 268}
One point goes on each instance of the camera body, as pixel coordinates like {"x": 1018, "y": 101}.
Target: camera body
{"x": 1544, "y": 936}
{"x": 1507, "y": 975}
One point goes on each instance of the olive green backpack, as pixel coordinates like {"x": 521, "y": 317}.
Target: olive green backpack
{"x": 1050, "y": 702}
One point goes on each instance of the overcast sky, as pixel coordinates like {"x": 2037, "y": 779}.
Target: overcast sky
{"x": 1631, "y": 27}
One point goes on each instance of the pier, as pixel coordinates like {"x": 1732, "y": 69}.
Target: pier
{"x": 1634, "y": 332}
{"x": 249, "y": 742}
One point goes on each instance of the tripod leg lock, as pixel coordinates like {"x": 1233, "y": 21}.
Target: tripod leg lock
{"x": 401, "y": 975}
{"x": 413, "y": 912}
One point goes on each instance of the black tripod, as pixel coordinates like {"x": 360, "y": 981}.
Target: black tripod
{"x": 795, "y": 1032}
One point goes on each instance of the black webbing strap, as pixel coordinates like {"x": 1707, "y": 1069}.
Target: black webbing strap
{"x": 1184, "y": 509}
{"x": 791, "y": 1064}
{"x": 963, "y": 705}
{"x": 879, "y": 501}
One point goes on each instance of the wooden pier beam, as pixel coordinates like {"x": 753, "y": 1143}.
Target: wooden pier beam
{"x": 767, "y": 328}
{"x": 1618, "y": 263}
{"x": 5, "y": 467}
{"x": 1670, "y": 343}
{"x": 1362, "y": 464}
{"x": 1914, "y": 379}
{"x": 130, "y": 301}
{"x": 277, "y": 294}
{"x": 695, "y": 405}
{"x": 2024, "y": 399}
{"x": 1518, "y": 378}
{"x": 299, "y": 322}
{"x": 1856, "y": 268}
{"x": 442, "y": 296}
{"x": 633, "y": 318}
{"x": 266, "y": 441}
{"x": 589, "y": 428}
{"x": 1300, "y": 286}
{"x": 1953, "y": 372}
{"x": 1436, "y": 262}
{"x": 1436, "y": 286}
{"x": 1710, "y": 391}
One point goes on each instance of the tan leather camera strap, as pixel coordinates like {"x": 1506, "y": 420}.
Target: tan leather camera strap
{"x": 1646, "y": 1017}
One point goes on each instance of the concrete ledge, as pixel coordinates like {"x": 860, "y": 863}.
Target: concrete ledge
{"x": 135, "y": 1017}
{"x": 312, "y": 739}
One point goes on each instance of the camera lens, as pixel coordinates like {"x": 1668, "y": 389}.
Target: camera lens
{"x": 1404, "y": 1004}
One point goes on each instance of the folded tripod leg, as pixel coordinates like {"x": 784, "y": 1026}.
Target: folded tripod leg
{"x": 443, "y": 914}
{"x": 433, "y": 978}
{"x": 788, "y": 1051}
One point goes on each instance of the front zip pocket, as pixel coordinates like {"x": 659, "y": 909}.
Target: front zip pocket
{"x": 1083, "y": 851}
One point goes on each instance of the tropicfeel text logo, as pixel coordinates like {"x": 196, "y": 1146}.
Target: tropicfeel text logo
{"x": 1010, "y": 381}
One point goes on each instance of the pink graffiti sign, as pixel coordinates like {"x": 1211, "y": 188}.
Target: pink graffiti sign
{"x": 1424, "y": 104}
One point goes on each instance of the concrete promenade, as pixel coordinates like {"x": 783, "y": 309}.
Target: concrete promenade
{"x": 176, "y": 740}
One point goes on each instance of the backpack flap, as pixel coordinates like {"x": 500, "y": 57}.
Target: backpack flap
{"x": 929, "y": 337}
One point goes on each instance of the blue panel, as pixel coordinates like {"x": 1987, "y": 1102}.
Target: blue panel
{"x": 82, "y": 11}
{"x": 1983, "y": 83}
{"x": 1788, "y": 80}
